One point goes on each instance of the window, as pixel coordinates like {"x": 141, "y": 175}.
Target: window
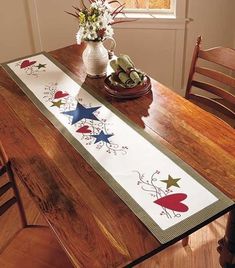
{"x": 148, "y": 4}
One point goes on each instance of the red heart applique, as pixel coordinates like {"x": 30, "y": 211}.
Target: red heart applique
{"x": 26, "y": 63}
{"x": 60, "y": 94}
{"x": 173, "y": 202}
{"x": 84, "y": 129}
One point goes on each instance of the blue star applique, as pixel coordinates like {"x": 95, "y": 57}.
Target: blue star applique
{"x": 102, "y": 137}
{"x": 82, "y": 112}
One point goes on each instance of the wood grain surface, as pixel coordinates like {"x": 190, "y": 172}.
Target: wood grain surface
{"x": 93, "y": 225}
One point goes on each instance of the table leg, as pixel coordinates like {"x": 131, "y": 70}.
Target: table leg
{"x": 226, "y": 246}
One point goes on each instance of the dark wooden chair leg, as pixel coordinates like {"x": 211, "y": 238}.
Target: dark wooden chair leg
{"x": 226, "y": 246}
{"x": 4, "y": 160}
{"x": 17, "y": 194}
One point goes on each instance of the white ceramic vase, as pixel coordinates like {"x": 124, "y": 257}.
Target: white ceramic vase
{"x": 96, "y": 57}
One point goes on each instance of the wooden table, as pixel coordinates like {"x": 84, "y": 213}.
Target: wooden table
{"x": 93, "y": 225}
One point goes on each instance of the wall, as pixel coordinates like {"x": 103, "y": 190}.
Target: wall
{"x": 149, "y": 49}
{"x": 152, "y": 50}
{"x": 27, "y": 26}
{"x": 15, "y": 33}
{"x": 57, "y": 29}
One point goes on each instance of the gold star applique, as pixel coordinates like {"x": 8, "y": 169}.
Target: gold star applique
{"x": 57, "y": 103}
{"x": 171, "y": 182}
{"x": 41, "y": 66}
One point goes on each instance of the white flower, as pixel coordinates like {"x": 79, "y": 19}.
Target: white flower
{"x": 79, "y": 35}
{"x": 92, "y": 35}
{"x": 109, "y": 31}
{"x": 96, "y": 22}
{"x": 108, "y": 6}
{"x": 97, "y": 5}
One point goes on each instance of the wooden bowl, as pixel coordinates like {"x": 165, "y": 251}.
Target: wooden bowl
{"x": 120, "y": 92}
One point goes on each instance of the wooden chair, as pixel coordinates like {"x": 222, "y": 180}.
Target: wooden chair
{"x": 32, "y": 246}
{"x": 222, "y": 102}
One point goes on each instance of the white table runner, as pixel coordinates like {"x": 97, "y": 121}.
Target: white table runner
{"x": 167, "y": 195}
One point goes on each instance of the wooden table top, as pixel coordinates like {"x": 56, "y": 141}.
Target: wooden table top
{"x": 93, "y": 225}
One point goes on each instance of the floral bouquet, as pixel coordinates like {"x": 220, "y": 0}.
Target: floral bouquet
{"x": 96, "y": 20}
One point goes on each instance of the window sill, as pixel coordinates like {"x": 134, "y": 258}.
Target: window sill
{"x": 146, "y": 15}
{"x": 150, "y": 21}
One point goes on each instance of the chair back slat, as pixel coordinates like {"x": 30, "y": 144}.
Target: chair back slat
{"x": 3, "y": 170}
{"x": 7, "y": 205}
{"x": 220, "y": 55}
{"x": 5, "y": 188}
{"x": 216, "y": 75}
{"x": 215, "y": 90}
